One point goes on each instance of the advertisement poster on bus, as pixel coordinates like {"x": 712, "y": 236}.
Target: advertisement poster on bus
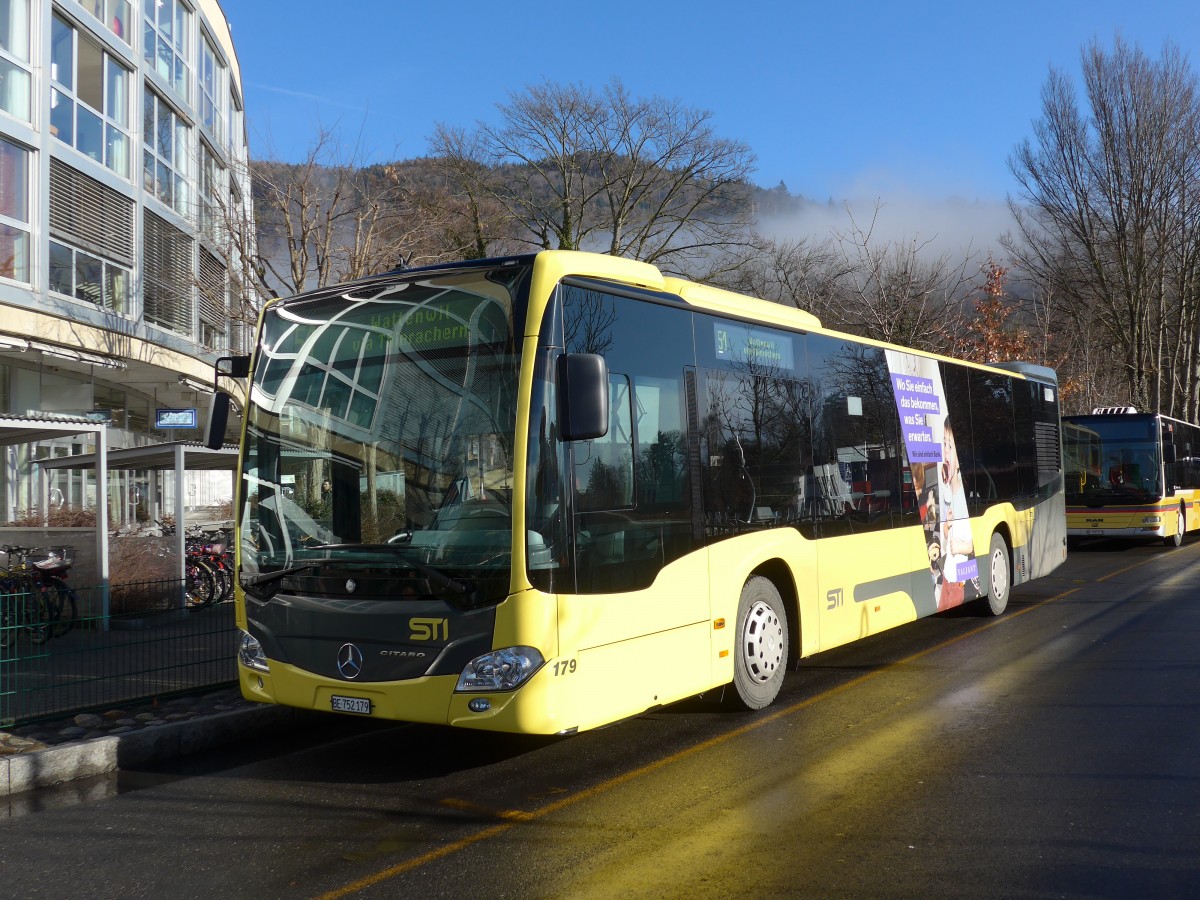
{"x": 937, "y": 476}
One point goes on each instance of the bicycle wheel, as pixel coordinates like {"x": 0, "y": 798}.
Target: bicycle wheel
{"x": 224, "y": 577}
{"x": 63, "y": 603}
{"x": 200, "y": 588}
{"x": 36, "y": 615}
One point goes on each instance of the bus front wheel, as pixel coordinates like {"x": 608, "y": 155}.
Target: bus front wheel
{"x": 1176, "y": 539}
{"x": 999, "y": 579}
{"x": 761, "y": 653}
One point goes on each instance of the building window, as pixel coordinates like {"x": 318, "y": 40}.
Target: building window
{"x": 112, "y": 400}
{"x": 167, "y": 280}
{"x": 212, "y": 188}
{"x": 213, "y": 303}
{"x": 114, "y": 14}
{"x": 168, "y": 26}
{"x": 212, "y": 91}
{"x": 14, "y": 58}
{"x": 237, "y": 131}
{"x": 165, "y": 155}
{"x": 14, "y": 211}
{"x": 89, "y": 278}
{"x": 89, "y": 104}
{"x": 137, "y": 412}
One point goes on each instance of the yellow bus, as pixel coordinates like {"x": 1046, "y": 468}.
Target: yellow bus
{"x": 1131, "y": 475}
{"x": 545, "y": 493}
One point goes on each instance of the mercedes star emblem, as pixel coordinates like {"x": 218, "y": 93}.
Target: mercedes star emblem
{"x": 350, "y": 661}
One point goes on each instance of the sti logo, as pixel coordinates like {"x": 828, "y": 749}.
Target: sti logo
{"x": 429, "y": 629}
{"x": 833, "y": 599}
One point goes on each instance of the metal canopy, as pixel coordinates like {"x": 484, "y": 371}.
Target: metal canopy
{"x": 30, "y": 429}
{"x": 196, "y": 457}
{"x": 177, "y": 455}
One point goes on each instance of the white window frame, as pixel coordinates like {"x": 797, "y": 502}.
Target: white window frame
{"x": 166, "y": 155}
{"x": 119, "y": 302}
{"x": 213, "y": 90}
{"x": 115, "y": 15}
{"x": 236, "y": 132}
{"x": 115, "y": 141}
{"x": 167, "y": 44}
{"x": 16, "y": 64}
{"x": 21, "y": 267}
{"x": 211, "y": 189}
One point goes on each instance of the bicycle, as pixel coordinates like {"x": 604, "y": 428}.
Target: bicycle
{"x": 24, "y": 603}
{"x": 208, "y": 568}
{"x": 200, "y": 585}
{"x": 62, "y": 602}
{"x": 217, "y": 558}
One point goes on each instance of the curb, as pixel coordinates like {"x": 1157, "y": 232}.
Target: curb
{"x": 99, "y": 756}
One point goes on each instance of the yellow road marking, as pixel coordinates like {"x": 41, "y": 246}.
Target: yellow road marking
{"x": 515, "y": 817}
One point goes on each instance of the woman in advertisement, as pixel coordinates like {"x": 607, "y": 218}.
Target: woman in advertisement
{"x": 958, "y": 564}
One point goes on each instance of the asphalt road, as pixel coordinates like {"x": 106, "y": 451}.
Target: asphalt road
{"x": 1052, "y": 752}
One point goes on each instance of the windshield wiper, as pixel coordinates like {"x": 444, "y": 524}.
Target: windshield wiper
{"x": 440, "y": 579}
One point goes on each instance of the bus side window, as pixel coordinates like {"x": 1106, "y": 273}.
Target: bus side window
{"x": 858, "y": 452}
{"x": 631, "y": 488}
{"x": 604, "y": 466}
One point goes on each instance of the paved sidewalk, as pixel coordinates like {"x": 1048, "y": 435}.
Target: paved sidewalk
{"x": 87, "y": 745}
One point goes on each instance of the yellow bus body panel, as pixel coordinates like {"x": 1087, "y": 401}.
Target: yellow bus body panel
{"x": 418, "y": 700}
{"x": 1152, "y": 519}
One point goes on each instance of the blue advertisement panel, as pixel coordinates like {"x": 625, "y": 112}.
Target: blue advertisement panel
{"x": 937, "y": 477}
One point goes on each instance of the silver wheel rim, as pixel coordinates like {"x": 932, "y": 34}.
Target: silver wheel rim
{"x": 762, "y": 643}
{"x": 999, "y": 574}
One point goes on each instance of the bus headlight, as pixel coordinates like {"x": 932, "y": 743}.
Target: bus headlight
{"x": 250, "y": 653}
{"x": 500, "y": 670}
{"x": 1151, "y": 520}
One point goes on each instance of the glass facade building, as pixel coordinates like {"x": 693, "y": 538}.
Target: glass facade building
{"x": 124, "y": 195}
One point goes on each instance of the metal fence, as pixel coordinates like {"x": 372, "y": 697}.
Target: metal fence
{"x": 150, "y": 647}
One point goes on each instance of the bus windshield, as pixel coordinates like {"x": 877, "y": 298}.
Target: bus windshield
{"x": 379, "y": 436}
{"x": 1112, "y": 459}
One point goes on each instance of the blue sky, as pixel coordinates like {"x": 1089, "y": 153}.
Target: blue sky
{"x": 838, "y": 100}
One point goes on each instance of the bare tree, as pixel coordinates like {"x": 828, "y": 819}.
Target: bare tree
{"x": 328, "y": 219}
{"x": 455, "y": 195}
{"x": 802, "y": 272}
{"x": 575, "y": 169}
{"x": 1107, "y": 214}
{"x": 894, "y": 290}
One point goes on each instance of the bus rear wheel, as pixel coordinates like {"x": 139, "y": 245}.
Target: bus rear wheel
{"x": 999, "y": 576}
{"x": 761, "y": 651}
{"x": 1176, "y": 539}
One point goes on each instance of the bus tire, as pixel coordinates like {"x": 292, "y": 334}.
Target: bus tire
{"x": 761, "y": 645}
{"x": 999, "y": 576}
{"x": 1176, "y": 539}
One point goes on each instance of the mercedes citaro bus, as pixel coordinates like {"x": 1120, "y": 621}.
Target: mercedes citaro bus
{"x": 543, "y": 493}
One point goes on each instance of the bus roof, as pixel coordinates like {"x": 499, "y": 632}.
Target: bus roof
{"x": 551, "y": 266}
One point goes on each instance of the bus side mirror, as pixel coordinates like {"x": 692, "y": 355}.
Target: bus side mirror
{"x": 582, "y": 397}
{"x": 218, "y": 419}
{"x": 232, "y": 366}
{"x": 1168, "y": 453}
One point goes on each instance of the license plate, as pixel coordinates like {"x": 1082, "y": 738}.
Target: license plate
{"x": 360, "y": 705}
